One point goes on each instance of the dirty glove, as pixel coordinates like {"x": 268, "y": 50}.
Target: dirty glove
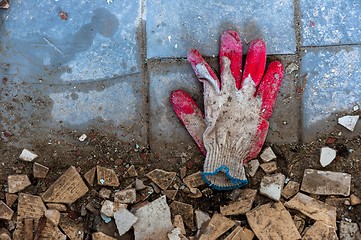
{"x": 234, "y": 126}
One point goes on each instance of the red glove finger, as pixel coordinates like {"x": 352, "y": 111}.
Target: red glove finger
{"x": 190, "y": 115}
{"x": 255, "y": 61}
{"x": 269, "y": 88}
{"x": 203, "y": 71}
{"x": 231, "y": 47}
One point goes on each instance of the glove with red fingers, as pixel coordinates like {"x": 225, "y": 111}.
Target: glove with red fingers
{"x": 237, "y": 108}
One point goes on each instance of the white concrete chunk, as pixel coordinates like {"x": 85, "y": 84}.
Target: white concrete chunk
{"x": 326, "y": 182}
{"x": 252, "y": 167}
{"x": 268, "y": 155}
{"x": 154, "y": 220}
{"x": 27, "y": 155}
{"x": 349, "y": 231}
{"x": 348, "y": 122}
{"x": 124, "y": 220}
{"x": 327, "y": 156}
{"x": 201, "y": 217}
{"x": 271, "y": 186}
{"x": 107, "y": 208}
{"x": 82, "y": 137}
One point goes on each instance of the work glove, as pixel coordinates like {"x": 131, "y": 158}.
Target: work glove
{"x": 237, "y": 108}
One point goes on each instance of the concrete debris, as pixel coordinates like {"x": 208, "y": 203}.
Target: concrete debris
{"x": 154, "y": 220}
{"x": 326, "y": 182}
{"x": 313, "y": 208}
{"x": 131, "y": 172}
{"x": 101, "y": 236}
{"x": 171, "y": 194}
{"x": 339, "y": 203}
{"x": 105, "y": 193}
{"x": 269, "y": 167}
{"x": 57, "y": 206}
{"x": 272, "y": 221}
{"x": 291, "y": 68}
{"x": 73, "y": 230}
{"x": 290, "y": 189}
{"x": 50, "y": 232}
{"x": 18, "y": 182}
{"x": 201, "y": 218}
{"x": 242, "y": 205}
{"x": 125, "y": 196}
{"x": 252, "y": 167}
{"x": 240, "y": 233}
{"x": 28, "y": 229}
{"x": 90, "y": 176}
{"x": 40, "y": 171}
{"x": 10, "y": 198}
{"x": 6, "y": 212}
{"x": 162, "y": 178}
{"x": 107, "y": 208}
{"x": 348, "y": 122}
{"x": 4, "y": 234}
{"x": 354, "y": 200}
{"x": 178, "y": 223}
{"x": 139, "y": 185}
{"x": 107, "y": 177}
{"x": 67, "y": 189}
{"x": 349, "y": 231}
{"x": 145, "y": 193}
{"x": 195, "y": 193}
{"x": 267, "y": 155}
{"x": 82, "y": 137}
{"x": 185, "y": 210}
{"x": 194, "y": 180}
{"x": 320, "y": 230}
{"x": 124, "y": 220}
{"x": 327, "y": 156}
{"x": 27, "y": 155}
{"x": 300, "y": 223}
{"x": 175, "y": 234}
{"x": 271, "y": 186}
{"x": 216, "y": 227}
{"x": 53, "y": 216}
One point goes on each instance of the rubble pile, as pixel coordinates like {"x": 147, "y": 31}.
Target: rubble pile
{"x": 156, "y": 205}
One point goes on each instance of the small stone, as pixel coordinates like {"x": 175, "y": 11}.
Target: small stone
{"x": 27, "y": 155}
{"x": 201, "y": 218}
{"x": 242, "y": 205}
{"x": 40, "y": 171}
{"x": 5, "y": 211}
{"x": 174, "y": 234}
{"x": 349, "y": 231}
{"x": 125, "y": 196}
{"x": 131, "y": 172}
{"x": 252, "y": 167}
{"x": 216, "y": 227}
{"x": 107, "y": 208}
{"x": 183, "y": 172}
{"x": 326, "y": 182}
{"x": 10, "y": 198}
{"x": 53, "y": 216}
{"x": 327, "y": 156}
{"x": 272, "y": 221}
{"x": 207, "y": 192}
{"x": 170, "y": 194}
{"x": 348, "y": 122}
{"x": 139, "y": 185}
{"x": 105, "y": 193}
{"x": 313, "y": 208}
{"x": 57, "y": 206}
{"x": 271, "y": 186}
{"x": 18, "y": 182}
{"x": 67, "y": 189}
{"x": 268, "y": 155}
{"x": 162, "y": 178}
{"x": 320, "y": 230}
{"x": 354, "y": 200}
{"x": 240, "y": 233}
{"x": 4, "y": 234}
{"x": 145, "y": 193}
{"x": 355, "y": 108}
{"x": 155, "y": 187}
{"x": 185, "y": 210}
{"x": 195, "y": 193}
{"x": 90, "y": 176}
{"x": 107, "y": 177}
{"x": 82, "y": 137}
{"x": 290, "y": 189}
{"x": 101, "y": 236}
{"x": 269, "y": 167}
{"x": 154, "y": 220}
{"x": 178, "y": 223}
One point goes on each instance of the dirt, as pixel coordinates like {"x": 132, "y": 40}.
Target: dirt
{"x": 108, "y": 151}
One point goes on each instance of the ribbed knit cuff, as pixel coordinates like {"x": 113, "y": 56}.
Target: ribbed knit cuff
{"x": 223, "y": 168}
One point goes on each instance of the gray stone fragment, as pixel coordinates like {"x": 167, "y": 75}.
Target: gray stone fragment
{"x": 271, "y": 186}
{"x": 349, "y": 231}
{"x": 124, "y": 220}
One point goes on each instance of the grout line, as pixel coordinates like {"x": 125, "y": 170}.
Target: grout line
{"x": 333, "y": 45}
{"x": 299, "y": 82}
